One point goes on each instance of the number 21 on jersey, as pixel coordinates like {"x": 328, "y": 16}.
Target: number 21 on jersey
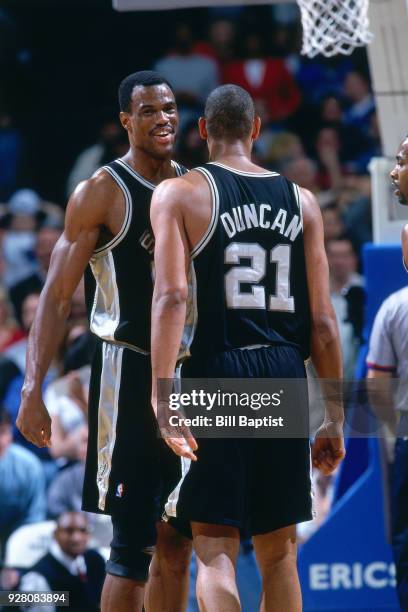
{"x": 254, "y": 273}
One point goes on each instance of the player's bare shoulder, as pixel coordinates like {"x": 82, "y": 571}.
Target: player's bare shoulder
{"x": 96, "y": 202}
{"x": 181, "y": 193}
{"x": 310, "y": 207}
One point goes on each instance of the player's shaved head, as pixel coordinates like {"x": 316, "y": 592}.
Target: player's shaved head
{"x": 229, "y": 113}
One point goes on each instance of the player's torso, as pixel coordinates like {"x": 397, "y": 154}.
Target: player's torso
{"x": 119, "y": 281}
{"x": 250, "y": 275}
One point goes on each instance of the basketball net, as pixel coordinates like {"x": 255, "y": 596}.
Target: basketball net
{"x": 331, "y": 27}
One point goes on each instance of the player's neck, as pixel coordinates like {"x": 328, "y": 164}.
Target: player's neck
{"x": 236, "y": 154}
{"x": 153, "y": 170}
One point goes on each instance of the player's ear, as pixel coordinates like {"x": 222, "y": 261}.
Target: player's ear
{"x": 125, "y": 120}
{"x": 202, "y": 128}
{"x": 256, "y": 127}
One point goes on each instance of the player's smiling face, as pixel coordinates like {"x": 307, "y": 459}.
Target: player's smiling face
{"x": 153, "y": 120}
{"x": 399, "y": 174}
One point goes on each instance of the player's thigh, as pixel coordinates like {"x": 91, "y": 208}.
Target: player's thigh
{"x": 173, "y": 549}
{"x": 215, "y": 545}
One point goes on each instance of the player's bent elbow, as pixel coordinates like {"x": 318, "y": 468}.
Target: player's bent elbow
{"x": 170, "y": 298}
{"x": 324, "y": 328}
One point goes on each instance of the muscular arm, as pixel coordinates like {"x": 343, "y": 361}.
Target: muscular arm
{"x": 171, "y": 258}
{"x": 85, "y": 214}
{"x": 325, "y": 341}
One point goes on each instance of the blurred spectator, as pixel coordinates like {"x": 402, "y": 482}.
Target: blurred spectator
{"x": 8, "y": 372}
{"x": 17, "y": 351}
{"x": 284, "y": 148}
{"x": 332, "y": 223}
{"x": 354, "y": 199}
{"x": 347, "y": 295}
{"x": 331, "y": 109}
{"x": 355, "y": 149}
{"x": 2, "y": 260}
{"x": 192, "y": 150}
{"x": 78, "y": 312}
{"x": 9, "y": 330}
{"x": 22, "y": 484}
{"x": 328, "y": 146}
{"x": 69, "y": 566}
{"x": 221, "y": 43}
{"x": 320, "y": 76}
{"x": 332, "y": 116}
{"x": 191, "y": 76}
{"x": 19, "y": 241}
{"x": 303, "y": 172}
{"x": 362, "y": 103}
{"x": 265, "y": 78}
{"x": 65, "y": 492}
{"x": 79, "y": 347}
{"x": 67, "y": 402}
{"x": 46, "y": 240}
{"x": 112, "y": 143}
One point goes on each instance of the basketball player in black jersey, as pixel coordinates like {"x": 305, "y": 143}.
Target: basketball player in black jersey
{"x": 250, "y": 245}
{"x": 107, "y": 226}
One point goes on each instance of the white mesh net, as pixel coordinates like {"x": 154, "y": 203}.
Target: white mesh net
{"x": 334, "y": 26}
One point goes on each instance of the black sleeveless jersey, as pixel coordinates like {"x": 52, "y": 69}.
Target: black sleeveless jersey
{"x": 119, "y": 284}
{"x": 250, "y": 272}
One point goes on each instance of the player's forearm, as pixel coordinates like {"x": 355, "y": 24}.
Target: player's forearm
{"x": 45, "y": 337}
{"x": 168, "y": 318}
{"x": 327, "y": 359}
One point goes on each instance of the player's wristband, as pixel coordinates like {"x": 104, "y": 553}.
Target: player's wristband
{"x": 404, "y": 264}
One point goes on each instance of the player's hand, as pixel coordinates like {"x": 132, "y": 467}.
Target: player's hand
{"x": 181, "y": 441}
{"x": 179, "y": 438}
{"x": 33, "y": 420}
{"x": 328, "y": 448}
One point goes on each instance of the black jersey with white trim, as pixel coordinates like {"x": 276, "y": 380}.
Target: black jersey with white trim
{"x": 119, "y": 284}
{"x": 250, "y": 270}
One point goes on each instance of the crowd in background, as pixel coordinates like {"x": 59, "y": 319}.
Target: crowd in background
{"x": 320, "y": 130}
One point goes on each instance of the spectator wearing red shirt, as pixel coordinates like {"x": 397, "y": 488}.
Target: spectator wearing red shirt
{"x": 266, "y": 79}
{"x": 220, "y": 45}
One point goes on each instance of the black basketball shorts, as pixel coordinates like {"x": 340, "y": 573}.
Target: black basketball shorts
{"x": 255, "y": 484}
{"x": 129, "y": 468}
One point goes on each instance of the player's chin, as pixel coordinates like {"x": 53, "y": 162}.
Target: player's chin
{"x": 163, "y": 147}
{"x": 402, "y": 199}
{"x": 162, "y": 151}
